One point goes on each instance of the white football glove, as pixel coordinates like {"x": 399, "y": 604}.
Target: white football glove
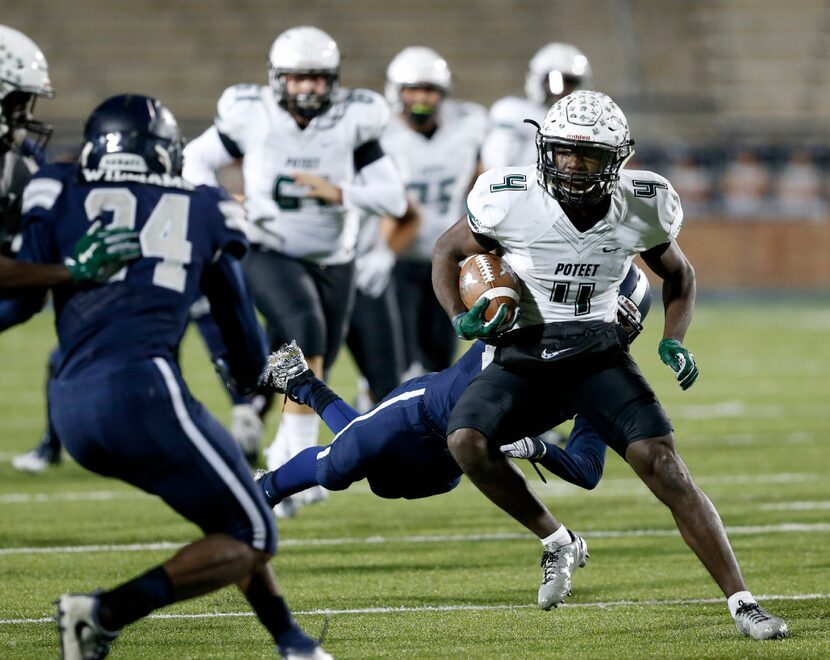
{"x": 374, "y": 269}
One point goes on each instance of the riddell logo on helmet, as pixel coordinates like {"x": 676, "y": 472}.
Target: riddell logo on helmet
{"x": 576, "y": 136}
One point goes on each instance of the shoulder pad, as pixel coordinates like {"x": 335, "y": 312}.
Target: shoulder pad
{"x": 490, "y": 198}
{"x": 369, "y": 112}
{"x": 511, "y": 111}
{"x": 46, "y": 186}
{"x": 234, "y": 106}
{"x": 656, "y": 201}
{"x": 473, "y": 115}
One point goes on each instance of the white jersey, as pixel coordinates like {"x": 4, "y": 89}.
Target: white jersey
{"x": 281, "y": 217}
{"x": 437, "y": 170}
{"x": 510, "y": 142}
{"x": 569, "y": 275}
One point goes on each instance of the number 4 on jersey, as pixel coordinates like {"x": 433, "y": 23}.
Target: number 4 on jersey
{"x": 511, "y": 182}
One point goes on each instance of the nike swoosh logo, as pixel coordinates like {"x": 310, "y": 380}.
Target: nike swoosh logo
{"x": 610, "y": 249}
{"x": 549, "y": 356}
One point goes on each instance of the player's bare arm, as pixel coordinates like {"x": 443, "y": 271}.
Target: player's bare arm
{"x": 97, "y": 255}
{"x": 669, "y": 262}
{"x": 17, "y": 274}
{"x": 454, "y": 245}
{"x": 400, "y": 231}
{"x": 679, "y": 287}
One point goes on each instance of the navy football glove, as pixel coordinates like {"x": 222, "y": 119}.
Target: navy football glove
{"x": 680, "y": 360}
{"x": 471, "y": 324}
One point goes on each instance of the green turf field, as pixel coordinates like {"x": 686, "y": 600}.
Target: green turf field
{"x": 453, "y": 576}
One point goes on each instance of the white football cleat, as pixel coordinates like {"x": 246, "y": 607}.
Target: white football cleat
{"x": 754, "y": 621}
{"x": 82, "y": 637}
{"x": 38, "y": 459}
{"x": 558, "y": 565}
{"x": 247, "y": 429}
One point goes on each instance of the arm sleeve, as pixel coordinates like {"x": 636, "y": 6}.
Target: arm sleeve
{"x": 380, "y": 192}
{"x": 204, "y": 156}
{"x": 231, "y": 308}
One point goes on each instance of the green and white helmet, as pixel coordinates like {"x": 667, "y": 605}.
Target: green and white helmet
{"x": 592, "y": 127}
{"x": 304, "y": 50}
{"x": 24, "y": 76}
{"x": 416, "y": 66}
{"x": 555, "y": 69}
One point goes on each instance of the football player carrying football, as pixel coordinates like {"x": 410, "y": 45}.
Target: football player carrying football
{"x": 311, "y": 161}
{"x": 400, "y": 446}
{"x": 118, "y": 400}
{"x": 569, "y": 227}
{"x": 555, "y": 71}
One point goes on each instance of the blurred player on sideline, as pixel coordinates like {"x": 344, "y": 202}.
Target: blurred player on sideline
{"x": 375, "y": 336}
{"x": 118, "y": 400}
{"x": 435, "y": 141}
{"x": 303, "y": 141}
{"x": 556, "y": 70}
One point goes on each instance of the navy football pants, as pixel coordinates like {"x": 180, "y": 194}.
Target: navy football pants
{"x": 393, "y": 448}
{"x": 139, "y": 423}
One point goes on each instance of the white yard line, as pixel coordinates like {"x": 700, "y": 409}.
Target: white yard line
{"x": 87, "y": 496}
{"x": 462, "y": 608}
{"x": 609, "y": 486}
{"x": 784, "y": 528}
{"x": 796, "y": 506}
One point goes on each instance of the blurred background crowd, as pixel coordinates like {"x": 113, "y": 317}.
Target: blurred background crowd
{"x": 729, "y": 99}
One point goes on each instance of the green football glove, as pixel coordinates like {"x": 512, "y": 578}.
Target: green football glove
{"x": 100, "y": 253}
{"x": 680, "y": 360}
{"x": 471, "y": 324}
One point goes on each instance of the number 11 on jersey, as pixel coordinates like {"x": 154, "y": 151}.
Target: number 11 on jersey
{"x": 581, "y": 296}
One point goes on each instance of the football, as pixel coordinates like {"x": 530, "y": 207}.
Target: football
{"x": 487, "y": 275}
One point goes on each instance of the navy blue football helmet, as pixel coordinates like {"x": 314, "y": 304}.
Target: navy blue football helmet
{"x": 634, "y": 302}
{"x": 133, "y": 133}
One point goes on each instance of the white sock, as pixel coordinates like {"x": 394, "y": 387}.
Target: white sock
{"x": 560, "y": 537}
{"x": 295, "y": 433}
{"x": 278, "y": 452}
{"x": 302, "y": 431}
{"x": 737, "y": 599}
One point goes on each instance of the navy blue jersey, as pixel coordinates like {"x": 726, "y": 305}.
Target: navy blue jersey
{"x": 142, "y": 311}
{"x": 444, "y": 388}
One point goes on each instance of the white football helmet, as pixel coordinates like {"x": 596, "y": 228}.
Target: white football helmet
{"x": 304, "y": 50}
{"x": 24, "y": 75}
{"x": 553, "y": 69}
{"x": 589, "y": 127}
{"x": 416, "y": 66}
